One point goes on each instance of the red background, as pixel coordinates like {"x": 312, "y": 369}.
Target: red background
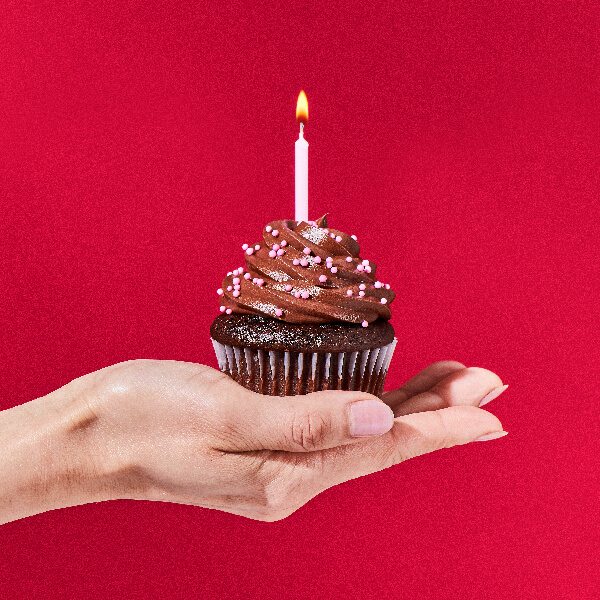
{"x": 143, "y": 142}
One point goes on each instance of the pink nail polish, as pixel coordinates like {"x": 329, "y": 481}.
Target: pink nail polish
{"x": 492, "y": 395}
{"x": 491, "y": 436}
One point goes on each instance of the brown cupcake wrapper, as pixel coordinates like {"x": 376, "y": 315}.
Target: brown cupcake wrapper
{"x": 277, "y": 373}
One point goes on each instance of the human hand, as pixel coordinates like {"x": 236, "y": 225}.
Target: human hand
{"x": 182, "y": 432}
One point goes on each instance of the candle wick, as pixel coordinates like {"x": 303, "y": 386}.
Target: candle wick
{"x": 301, "y": 128}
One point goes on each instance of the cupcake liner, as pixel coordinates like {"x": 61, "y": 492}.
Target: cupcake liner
{"x": 278, "y": 373}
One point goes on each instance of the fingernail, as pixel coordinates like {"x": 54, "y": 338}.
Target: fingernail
{"x": 491, "y": 436}
{"x": 492, "y": 395}
{"x": 370, "y": 417}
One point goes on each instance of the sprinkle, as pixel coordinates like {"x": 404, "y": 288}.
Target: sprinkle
{"x": 283, "y": 243}
{"x": 297, "y": 294}
{"x": 313, "y": 223}
{"x": 360, "y": 268}
{"x": 378, "y": 284}
{"x": 353, "y": 237}
{"x": 244, "y": 246}
{"x": 349, "y": 293}
{"x": 317, "y": 259}
{"x": 229, "y": 288}
{"x": 338, "y": 238}
{"x": 361, "y": 293}
{"x": 280, "y": 252}
{"x": 326, "y": 230}
{"x": 348, "y": 259}
{"x": 322, "y": 278}
{"x": 220, "y": 292}
{"x": 230, "y": 273}
{"x": 275, "y": 233}
{"x": 365, "y": 323}
{"x": 366, "y": 262}
{"x": 240, "y": 270}
{"x": 304, "y": 262}
{"x": 260, "y": 282}
{"x": 387, "y": 286}
{"x": 236, "y": 287}
{"x": 272, "y": 254}
{"x": 257, "y": 247}
{"x": 384, "y": 301}
{"x": 268, "y": 229}
{"x": 306, "y": 250}
{"x": 275, "y": 247}
{"x": 236, "y": 280}
{"x": 254, "y": 279}
{"x": 332, "y": 235}
{"x": 334, "y": 269}
{"x": 278, "y": 312}
{"x": 296, "y": 262}
{"x": 305, "y": 295}
{"x": 222, "y": 308}
{"x": 247, "y": 276}
{"x": 367, "y": 269}
{"x": 362, "y": 286}
{"x": 228, "y": 311}
{"x": 236, "y": 293}
{"x": 249, "y": 251}
{"x": 288, "y": 288}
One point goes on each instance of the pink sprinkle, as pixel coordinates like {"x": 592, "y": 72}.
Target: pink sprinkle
{"x": 322, "y": 278}
{"x": 236, "y": 287}
{"x": 296, "y": 262}
{"x": 229, "y": 288}
{"x": 348, "y": 259}
{"x": 288, "y": 288}
{"x": 384, "y": 301}
{"x": 332, "y": 235}
{"x": 278, "y": 312}
{"x": 220, "y": 292}
{"x": 306, "y": 250}
{"x": 338, "y": 238}
{"x": 275, "y": 233}
{"x": 387, "y": 286}
{"x": 362, "y": 286}
{"x": 349, "y": 293}
{"x": 304, "y": 262}
{"x": 280, "y": 252}
{"x": 247, "y": 276}
{"x": 244, "y": 246}
{"x": 361, "y": 293}
{"x": 360, "y": 268}
{"x": 283, "y": 243}
{"x": 257, "y": 247}
{"x": 240, "y": 270}
{"x": 305, "y": 295}
{"x": 275, "y": 247}
{"x": 334, "y": 269}
{"x": 236, "y": 293}
{"x": 297, "y": 294}
{"x": 236, "y": 280}
{"x": 365, "y": 262}
{"x": 353, "y": 237}
{"x": 268, "y": 229}
{"x": 365, "y": 323}
{"x": 378, "y": 284}
{"x": 272, "y": 254}
{"x": 260, "y": 282}
{"x": 249, "y": 251}
{"x": 367, "y": 269}
{"x": 222, "y": 308}
{"x": 228, "y": 311}
{"x": 317, "y": 259}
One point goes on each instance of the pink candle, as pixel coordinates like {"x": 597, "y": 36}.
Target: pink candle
{"x": 301, "y": 161}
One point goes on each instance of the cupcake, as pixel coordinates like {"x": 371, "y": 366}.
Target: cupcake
{"x": 305, "y": 313}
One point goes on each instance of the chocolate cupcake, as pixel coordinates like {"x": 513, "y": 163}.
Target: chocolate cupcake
{"x": 306, "y": 313}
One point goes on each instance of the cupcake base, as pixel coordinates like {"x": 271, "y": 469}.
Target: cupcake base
{"x": 290, "y": 373}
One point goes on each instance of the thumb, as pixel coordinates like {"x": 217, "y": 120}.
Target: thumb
{"x": 315, "y": 421}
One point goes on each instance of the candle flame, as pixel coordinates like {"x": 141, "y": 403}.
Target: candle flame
{"x": 302, "y": 109}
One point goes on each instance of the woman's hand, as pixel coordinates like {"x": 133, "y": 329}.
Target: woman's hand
{"x": 182, "y": 432}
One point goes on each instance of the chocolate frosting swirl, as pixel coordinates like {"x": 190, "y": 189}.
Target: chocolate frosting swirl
{"x": 307, "y": 273}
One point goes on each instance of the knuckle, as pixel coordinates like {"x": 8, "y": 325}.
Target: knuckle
{"x": 309, "y": 430}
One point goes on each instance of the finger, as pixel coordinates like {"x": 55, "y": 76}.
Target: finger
{"x": 412, "y": 435}
{"x": 316, "y": 421}
{"x": 463, "y": 387}
{"x": 422, "y": 382}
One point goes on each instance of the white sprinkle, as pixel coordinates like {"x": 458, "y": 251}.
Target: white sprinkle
{"x": 228, "y": 311}
{"x": 236, "y": 293}
{"x": 249, "y": 251}
{"x": 268, "y": 229}
{"x": 384, "y": 301}
{"x": 257, "y": 247}
{"x": 338, "y": 238}
{"x": 317, "y": 259}
{"x": 280, "y": 252}
{"x": 244, "y": 246}
{"x": 362, "y": 286}
{"x": 296, "y": 262}
{"x": 275, "y": 233}
{"x": 349, "y": 293}
{"x": 368, "y": 269}
{"x": 360, "y": 268}
{"x": 236, "y": 280}
{"x": 304, "y": 262}
{"x": 378, "y": 284}
{"x": 322, "y": 278}
{"x": 353, "y": 237}
{"x": 348, "y": 259}
{"x": 365, "y": 323}
{"x": 334, "y": 269}
{"x": 272, "y": 254}
{"x": 222, "y": 309}
{"x": 283, "y": 243}
{"x": 275, "y": 247}
{"x": 220, "y": 292}
{"x": 365, "y": 262}
{"x": 247, "y": 276}
{"x": 361, "y": 293}
{"x": 229, "y": 288}
{"x": 230, "y": 273}
{"x": 387, "y": 286}
{"x": 306, "y": 250}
